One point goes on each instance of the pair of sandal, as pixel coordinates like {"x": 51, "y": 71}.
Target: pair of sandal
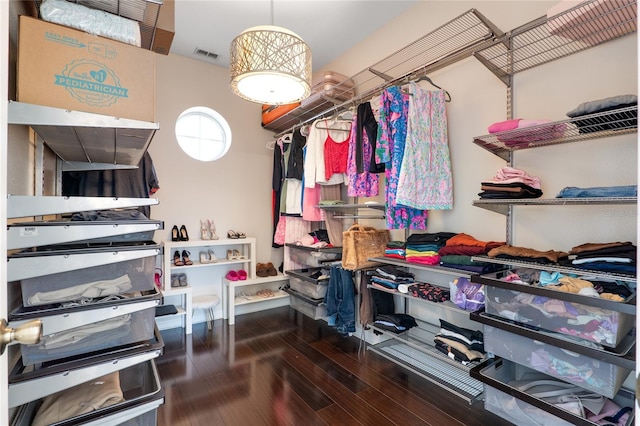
{"x": 208, "y": 230}
{"x": 235, "y": 235}
{"x": 235, "y": 255}
{"x": 208, "y": 257}
{"x": 265, "y": 293}
{"x": 184, "y": 261}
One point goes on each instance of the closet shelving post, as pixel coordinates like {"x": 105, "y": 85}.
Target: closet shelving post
{"x": 527, "y": 47}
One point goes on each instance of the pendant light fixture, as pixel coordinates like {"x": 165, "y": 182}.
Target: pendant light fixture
{"x": 270, "y": 65}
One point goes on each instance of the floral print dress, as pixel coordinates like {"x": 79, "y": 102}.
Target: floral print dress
{"x": 425, "y": 180}
{"x": 392, "y": 133}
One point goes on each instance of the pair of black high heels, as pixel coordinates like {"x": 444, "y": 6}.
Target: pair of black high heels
{"x": 182, "y": 261}
{"x": 179, "y": 234}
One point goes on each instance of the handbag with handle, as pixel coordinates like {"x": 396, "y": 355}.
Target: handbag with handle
{"x": 359, "y": 243}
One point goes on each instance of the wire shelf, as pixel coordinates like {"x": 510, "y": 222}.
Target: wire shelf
{"x": 549, "y": 38}
{"x": 598, "y": 125}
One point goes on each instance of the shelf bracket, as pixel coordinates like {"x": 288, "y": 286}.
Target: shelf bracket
{"x": 503, "y": 76}
{"x": 385, "y": 77}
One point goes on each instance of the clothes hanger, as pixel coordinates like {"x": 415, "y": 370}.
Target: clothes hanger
{"x": 327, "y": 126}
{"x": 281, "y": 140}
{"x": 428, "y": 80}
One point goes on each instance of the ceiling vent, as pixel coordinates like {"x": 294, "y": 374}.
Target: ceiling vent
{"x": 205, "y": 53}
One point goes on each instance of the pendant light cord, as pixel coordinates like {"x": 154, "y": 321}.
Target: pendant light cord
{"x": 271, "y": 12}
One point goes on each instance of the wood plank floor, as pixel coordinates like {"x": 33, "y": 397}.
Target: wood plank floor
{"x": 278, "y": 367}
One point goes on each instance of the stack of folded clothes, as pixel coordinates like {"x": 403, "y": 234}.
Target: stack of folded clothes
{"x": 429, "y": 292}
{"x": 461, "y": 344}
{"x": 396, "y": 323}
{"x": 459, "y": 249}
{"x": 423, "y": 248}
{"x": 510, "y": 182}
{"x": 527, "y": 254}
{"x": 611, "y": 257}
{"x": 612, "y": 121}
{"x": 391, "y": 278}
{"x": 395, "y": 249}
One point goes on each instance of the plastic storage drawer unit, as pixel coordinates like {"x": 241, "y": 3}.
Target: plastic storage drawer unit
{"x": 312, "y": 308}
{"x": 589, "y": 373}
{"x": 314, "y": 257}
{"x": 122, "y": 330}
{"x": 604, "y": 326}
{"x": 141, "y": 396}
{"x": 134, "y": 275}
{"x": 300, "y": 280}
{"x": 508, "y": 396}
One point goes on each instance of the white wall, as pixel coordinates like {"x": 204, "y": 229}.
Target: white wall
{"x": 234, "y": 191}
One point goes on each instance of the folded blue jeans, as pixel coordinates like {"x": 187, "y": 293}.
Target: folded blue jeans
{"x": 599, "y": 191}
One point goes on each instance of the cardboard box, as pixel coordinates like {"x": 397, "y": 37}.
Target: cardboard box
{"x": 165, "y": 28}
{"x": 65, "y": 68}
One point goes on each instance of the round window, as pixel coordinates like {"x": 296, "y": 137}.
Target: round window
{"x": 203, "y": 134}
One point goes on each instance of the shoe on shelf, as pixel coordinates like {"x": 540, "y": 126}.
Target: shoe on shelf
{"x": 175, "y": 234}
{"x": 238, "y": 255}
{"x": 184, "y": 235}
{"x": 204, "y": 257}
{"x": 232, "y": 234}
{"x": 177, "y": 261}
{"x": 242, "y": 275}
{"x": 185, "y": 258}
{"x": 212, "y": 230}
{"x": 265, "y": 293}
{"x": 212, "y": 256}
{"x": 261, "y": 270}
{"x": 241, "y": 234}
{"x": 204, "y": 230}
{"x": 244, "y": 296}
{"x": 182, "y": 279}
{"x": 232, "y": 276}
{"x": 231, "y": 255}
{"x": 271, "y": 270}
{"x": 175, "y": 281}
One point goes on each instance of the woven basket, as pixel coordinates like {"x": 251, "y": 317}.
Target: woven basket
{"x": 359, "y": 243}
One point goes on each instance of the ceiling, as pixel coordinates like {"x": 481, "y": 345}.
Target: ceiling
{"x": 329, "y": 27}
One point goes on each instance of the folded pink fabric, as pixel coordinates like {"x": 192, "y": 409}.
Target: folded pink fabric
{"x": 502, "y": 126}
{"x": 511, "y": 174}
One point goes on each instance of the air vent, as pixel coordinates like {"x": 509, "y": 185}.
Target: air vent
{"x": 205, "y": 53}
